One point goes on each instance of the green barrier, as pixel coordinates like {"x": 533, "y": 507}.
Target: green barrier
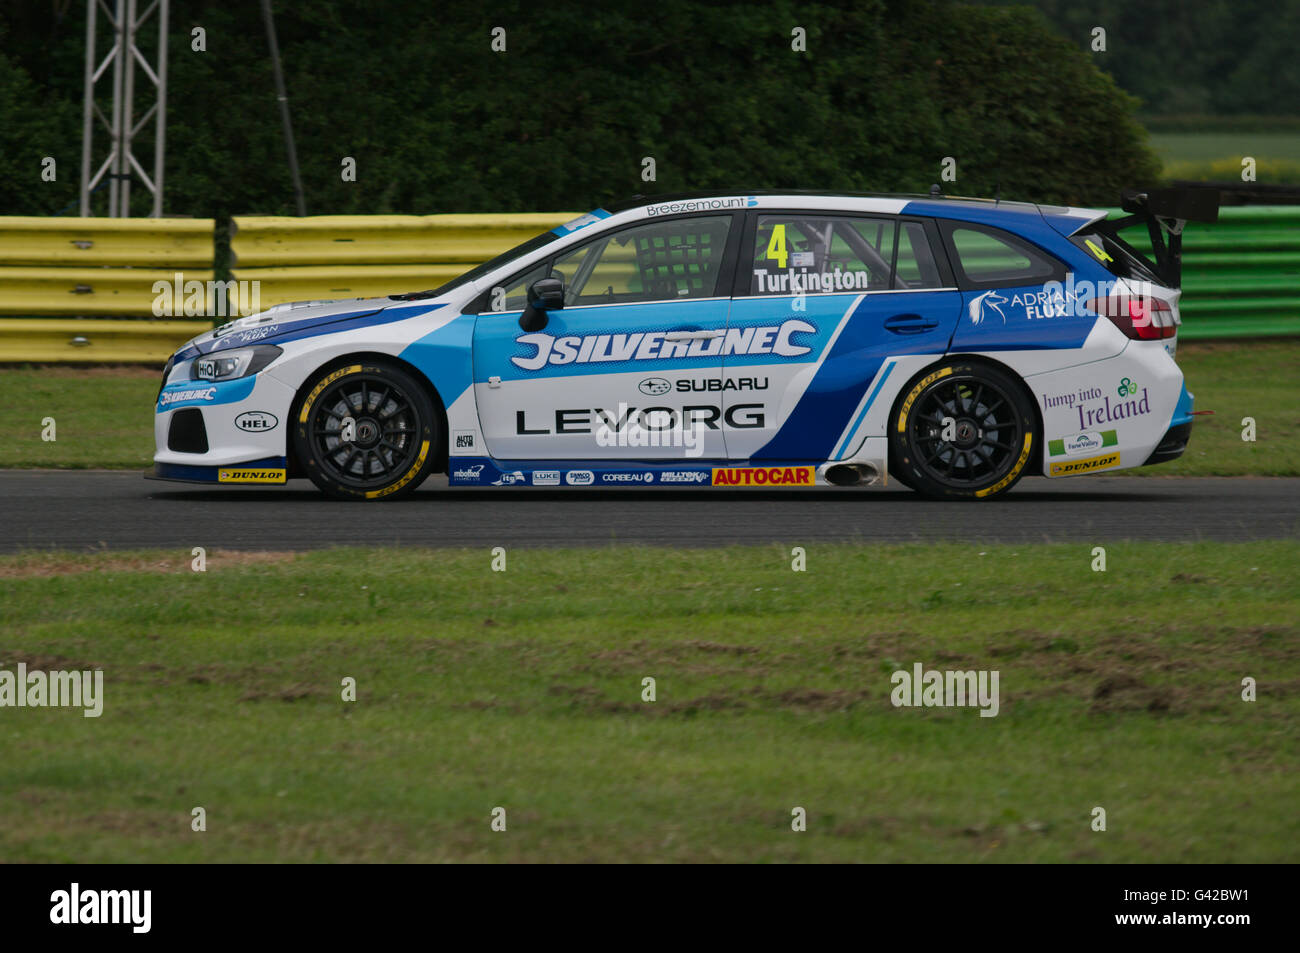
{"x": 1241, "y": 275}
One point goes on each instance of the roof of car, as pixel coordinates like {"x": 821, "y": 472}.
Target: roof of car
{"x": 636, "y": 201}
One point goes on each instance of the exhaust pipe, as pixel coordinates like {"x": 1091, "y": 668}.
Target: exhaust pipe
{"x": 852, "y": 474}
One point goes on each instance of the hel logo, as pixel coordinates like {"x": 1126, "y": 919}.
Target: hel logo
{"x": 250, "y": 476}
{"x": 765, "y": 476}
{"x": 256, "y": 421}
{"x": 989, "y": 299}
{"x": 1084, "y": 466}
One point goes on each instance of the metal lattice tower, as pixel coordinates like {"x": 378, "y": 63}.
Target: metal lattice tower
{"x": 124, "y": 55}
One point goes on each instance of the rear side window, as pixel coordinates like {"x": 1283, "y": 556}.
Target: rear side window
{"x": 990, "y": 256}
{"x": 1116, "y": 255}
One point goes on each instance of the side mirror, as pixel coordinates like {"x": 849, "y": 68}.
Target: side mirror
{"x": 544, "y": 294}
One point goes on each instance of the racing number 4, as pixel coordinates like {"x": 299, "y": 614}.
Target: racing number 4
{"x": 776, "y": 246}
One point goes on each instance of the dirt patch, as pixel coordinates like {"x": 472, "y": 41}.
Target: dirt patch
{"x": 67, "y": 564}
{"x": 291, "y": 694}
{"x": 10, "y": 658}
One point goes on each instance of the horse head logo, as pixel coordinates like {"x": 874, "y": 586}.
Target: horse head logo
{"x": 988, "y": 300}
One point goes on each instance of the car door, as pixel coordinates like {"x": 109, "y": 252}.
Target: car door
{"x": 611, "y": 374}
{"x": 827, "y": 300}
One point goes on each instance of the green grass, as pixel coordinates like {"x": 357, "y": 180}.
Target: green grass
{"x": 104, "y": 417}
{"x": 522, "y": 689}
{"x": 1208, "y": 146}
{"x": 1216, "y": 156}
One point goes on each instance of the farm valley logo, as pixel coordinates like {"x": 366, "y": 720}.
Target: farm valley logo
{"x": 1082, "y": 443}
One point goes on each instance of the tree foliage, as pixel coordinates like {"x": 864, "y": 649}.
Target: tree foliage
{"x": 439, "y": 122}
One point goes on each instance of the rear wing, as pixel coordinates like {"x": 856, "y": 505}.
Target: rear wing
{"x": 1165, "y": 212}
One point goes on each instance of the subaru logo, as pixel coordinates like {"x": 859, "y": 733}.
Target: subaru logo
{"x": 654, "y": 386}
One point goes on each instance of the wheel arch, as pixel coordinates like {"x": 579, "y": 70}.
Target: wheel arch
{"x": 295, "y": 466}
{"x": 1002, "y": 366}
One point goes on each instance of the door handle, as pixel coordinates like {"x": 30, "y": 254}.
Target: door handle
{"x": 691, "y": 335}
{"x": 910, "y": 324}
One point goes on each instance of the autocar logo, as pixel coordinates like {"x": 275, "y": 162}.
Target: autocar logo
{"x": 654, "y": 386}
{"x": 256, "y": 421}
{"x": 579, "y": 478}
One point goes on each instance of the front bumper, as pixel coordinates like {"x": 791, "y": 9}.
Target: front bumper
{"x": 225, "y": 432}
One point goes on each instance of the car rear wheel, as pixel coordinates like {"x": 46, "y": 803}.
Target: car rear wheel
{"x": 963, "y": 430}
{"x": 366, "y": 431}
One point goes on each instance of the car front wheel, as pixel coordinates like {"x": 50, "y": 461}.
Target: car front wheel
{"x": 366, "y": 431}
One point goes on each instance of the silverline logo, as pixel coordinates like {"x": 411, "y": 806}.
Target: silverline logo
{"x": 73, "y": 906}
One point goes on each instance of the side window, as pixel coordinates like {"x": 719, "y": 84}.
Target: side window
{"x": 816, "y": 254}
{"x": 916, "y": 268}
{"x": 987, "y": 256}
{"x": 658, "y": 261}
{"x": 516, "y": 297}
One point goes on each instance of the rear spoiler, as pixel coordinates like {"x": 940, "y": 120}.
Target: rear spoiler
{"x": 1165, "y": 212}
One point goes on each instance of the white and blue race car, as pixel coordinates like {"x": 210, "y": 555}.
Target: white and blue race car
{"x": 763, "y": 340}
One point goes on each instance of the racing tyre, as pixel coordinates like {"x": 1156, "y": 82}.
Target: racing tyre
{"x": 963, "y": 430}
{"x": 366, "y": 431}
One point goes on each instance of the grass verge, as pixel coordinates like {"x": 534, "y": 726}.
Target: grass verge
{"x": 523, "y": 689}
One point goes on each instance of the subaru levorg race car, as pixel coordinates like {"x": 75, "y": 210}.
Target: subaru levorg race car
{"x": 737, "y": 340}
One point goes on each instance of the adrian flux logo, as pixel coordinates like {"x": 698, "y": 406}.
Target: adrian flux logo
{"x": 979, "y": 307}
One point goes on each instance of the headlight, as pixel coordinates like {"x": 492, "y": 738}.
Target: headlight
{"x": 229, "y": 365}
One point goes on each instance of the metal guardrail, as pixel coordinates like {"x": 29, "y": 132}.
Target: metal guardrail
{"x": 93, "y": 342}
{"x": 95, "y": 242}
{"x": 1241, "y": 277}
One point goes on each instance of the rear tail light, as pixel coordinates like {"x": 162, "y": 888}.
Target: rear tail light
{"x": 1140, "y": 317}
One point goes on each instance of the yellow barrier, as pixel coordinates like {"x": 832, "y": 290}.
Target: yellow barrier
{"x": 137, "y": 242}
{"x": 66, "y": 342}
{"x": 313, "y": 282}
{"x": 75, "y": 267}
{"x": 383, "y": 239}
{"x": 89, "y": 291}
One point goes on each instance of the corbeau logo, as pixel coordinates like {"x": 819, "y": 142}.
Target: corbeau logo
{"x": 1084, "y": 466}
{"x": 250, "y": 476}
{"x": 775, "y": 339}
{"x": 765, "y": 476}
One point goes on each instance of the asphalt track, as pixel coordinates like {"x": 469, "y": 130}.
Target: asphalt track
{"x": 79, "y": 510}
